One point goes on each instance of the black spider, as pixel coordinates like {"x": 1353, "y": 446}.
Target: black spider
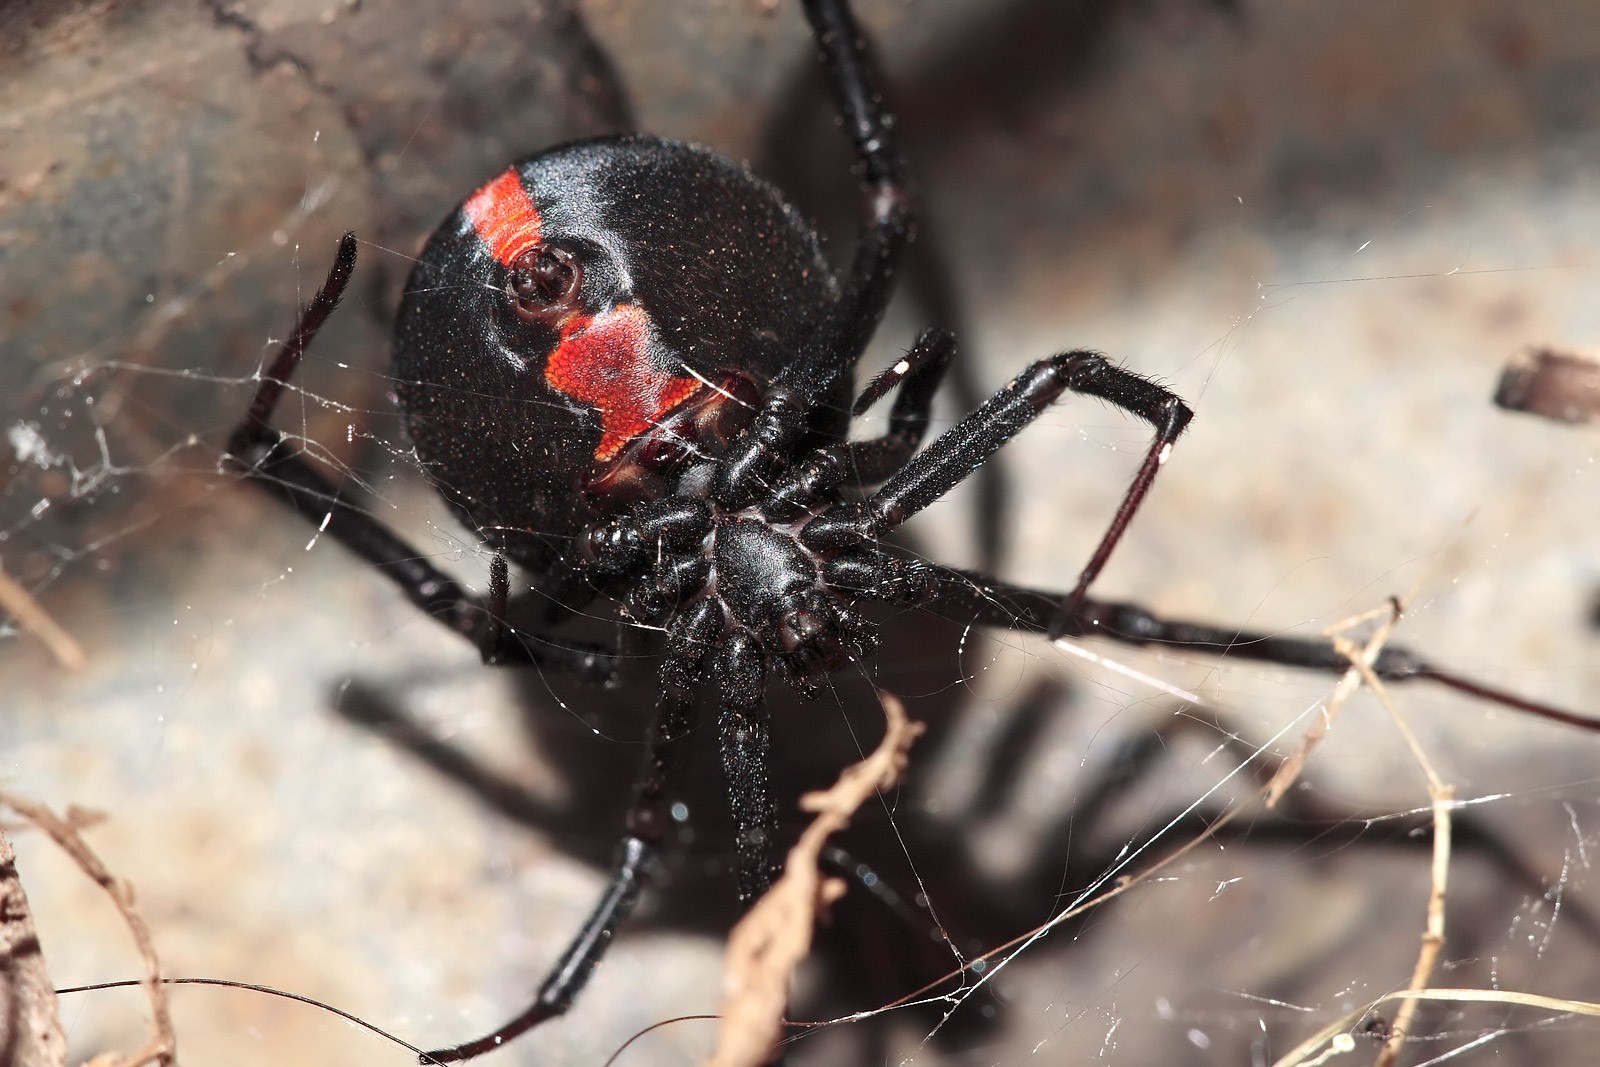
{"x": 626, "y": 365}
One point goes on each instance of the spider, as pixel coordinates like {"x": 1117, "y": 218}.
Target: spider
{"x": 626, "y": 366}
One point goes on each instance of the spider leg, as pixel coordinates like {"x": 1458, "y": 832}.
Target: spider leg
{"x": 967, "y": 596}
{"x": 571, "y": 972}
{"x": 262, "y": 454}
{"x": 963, "y": 448}
{"x": 886, "y": 194}
{"x": 917, "y": 374}
{"x": 746, "y": 743}
{"x": 647, "y": 821}
{"x": 886, "y": 229}
{"x": 972, "y": 597}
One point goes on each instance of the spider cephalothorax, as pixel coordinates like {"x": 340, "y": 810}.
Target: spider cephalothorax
{"x": 627, "y": 366}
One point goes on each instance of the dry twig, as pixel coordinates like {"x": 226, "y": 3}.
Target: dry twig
{"x": 1336, "y": 1035}
{"x": 162, "y": 1045}
{"x": 16, "y": 602}
{"x": 1348, "y": 683}
{"x": 769, "y": 942}
{"x": 30, "y": 1026}
{"x": 1443, "y": 799}
{"x": 1441, "y": 795}
{"x": 1563, "y": 386}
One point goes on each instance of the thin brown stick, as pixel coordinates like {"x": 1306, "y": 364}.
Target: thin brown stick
{"x": 1336, "y": 1035}
{"x": 1441, "y": 795}
{"x": 20, "y": 605}
{"x": 768, "y": 943}
{"x": 1348, "y": 683}
{"x": 1443, "y": 800}
{"x": 162, "y": 1046}
{"x": 30, "y": 1024}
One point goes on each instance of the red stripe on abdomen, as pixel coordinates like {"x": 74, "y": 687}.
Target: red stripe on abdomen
{"x": 605, "y": 361}
{"x": 503, "y": 216}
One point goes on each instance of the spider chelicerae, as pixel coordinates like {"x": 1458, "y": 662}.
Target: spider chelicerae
{"x": 627, "y": 367}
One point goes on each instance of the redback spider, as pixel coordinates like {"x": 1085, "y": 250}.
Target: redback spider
{"x": 627, "y": 366}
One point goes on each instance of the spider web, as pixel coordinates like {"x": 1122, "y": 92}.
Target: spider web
{"x": 1326, "y": 229}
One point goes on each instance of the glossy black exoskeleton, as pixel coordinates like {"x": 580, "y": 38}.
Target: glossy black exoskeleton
{"x": 593, "y": 322}
{"x": 627, "y": 366}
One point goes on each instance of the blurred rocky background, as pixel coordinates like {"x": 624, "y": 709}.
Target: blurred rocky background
{"x": 1327, "y": 225}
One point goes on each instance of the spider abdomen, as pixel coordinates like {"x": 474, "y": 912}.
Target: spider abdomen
{"x": 590, "y": 320}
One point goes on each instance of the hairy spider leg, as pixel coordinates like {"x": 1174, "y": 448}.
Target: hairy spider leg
{"x": 960, "y": 450}
{"x": 647, "y": 821}
{"x": 745, "y": 470}
{"x": 744, "y": 738}
{"x": 973, "y": 597}
{"x": 918, "y": 375}
{"x": 968, "y": 595}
